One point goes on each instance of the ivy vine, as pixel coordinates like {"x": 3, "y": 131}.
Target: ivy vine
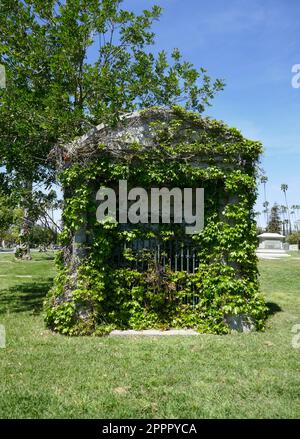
{"x": 92, "y": 295}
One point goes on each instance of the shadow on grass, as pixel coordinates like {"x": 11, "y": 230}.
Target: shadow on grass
{"x": 28, "y": 296}
{"x": 43, "y": 257}
{"x": 36, "y": 257}
{"x": 273, "y": 308}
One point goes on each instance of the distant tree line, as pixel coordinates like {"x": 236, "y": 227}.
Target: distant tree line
{"x": 284, "y": 219}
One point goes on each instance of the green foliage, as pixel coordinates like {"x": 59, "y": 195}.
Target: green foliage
{"x": 55, "y": 91}
{"x": 10, "y": 219}
{"x": 274, "y": 225}
{"x": 40, "y": 235}
{"x": 6, "y": 214}
{"x": 293, "y": 238}
{"x": 97, "y": 294}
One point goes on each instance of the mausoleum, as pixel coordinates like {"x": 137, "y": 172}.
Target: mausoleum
{"x": 271, "y": 241}
{"x": 149, "y": 272}
{"x": 271, "y": 245}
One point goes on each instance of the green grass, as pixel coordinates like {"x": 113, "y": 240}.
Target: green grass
{"x": 45, "y": 375}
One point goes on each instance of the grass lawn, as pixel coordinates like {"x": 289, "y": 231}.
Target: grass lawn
{"x": 45, "y": 375}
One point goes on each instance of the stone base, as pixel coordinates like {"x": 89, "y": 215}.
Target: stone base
{"x": 155, "y": 332}
{"x": 263, "y": 253}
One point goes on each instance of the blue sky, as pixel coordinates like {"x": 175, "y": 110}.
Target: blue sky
{"x": 253, "y": 45}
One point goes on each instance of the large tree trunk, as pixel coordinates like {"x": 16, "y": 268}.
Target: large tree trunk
{"x": 23, "y": 249}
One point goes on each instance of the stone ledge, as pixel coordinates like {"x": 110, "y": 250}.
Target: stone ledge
{"x": 154, "y": 332}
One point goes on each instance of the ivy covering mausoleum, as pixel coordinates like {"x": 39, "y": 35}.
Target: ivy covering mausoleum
{"x": 138, "y": 276}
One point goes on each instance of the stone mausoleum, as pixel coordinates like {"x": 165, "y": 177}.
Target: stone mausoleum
{"x": 141, "y": 275}
{"x": 271, "y": 245}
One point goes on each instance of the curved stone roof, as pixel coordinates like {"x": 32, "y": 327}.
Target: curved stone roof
{"x": 132, "y": 128}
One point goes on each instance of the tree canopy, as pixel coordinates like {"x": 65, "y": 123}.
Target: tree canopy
{"x": 73, "y": 64}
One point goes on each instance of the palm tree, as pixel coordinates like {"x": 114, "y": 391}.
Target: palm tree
{"x": 257, "y": 215}
{"x": 266, "y": 211}
{"x": 297, "y": 207}
{"x": 284, "y": 188}
{"x": 283, "y": 211}
{"x": 293, "y": 215}
{"x": 264, "y": 180}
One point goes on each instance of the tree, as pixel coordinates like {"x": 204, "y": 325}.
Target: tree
{"x": 296, "y": 224}
{"x": 283, "y": 212}
{"x": 294, "y": 214}
{"x": 266, "y": 210}
{"x": 55, "y": 91}
{"x": 6, "y": 216}
{"x": 264, "y": 180}
{"x": 42, "y": 236}
{"x": 293, "y": 238}
{"x": 257, "y": 215}
{"x": 11, "y": 222}
{"x": 26, "y": 131}
{"x": 274, "y": 224}
{"x": 10, "y": 219}
{"x": 284, "y": 188}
